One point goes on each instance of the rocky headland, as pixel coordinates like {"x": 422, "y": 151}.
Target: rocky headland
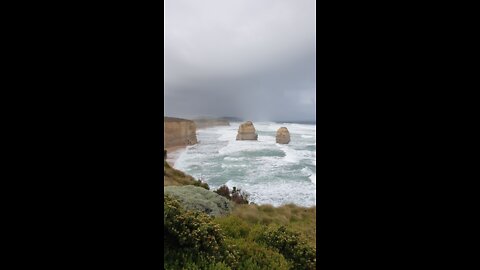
{"x": 246, "y": 131}
{"x": 178, "y": 132}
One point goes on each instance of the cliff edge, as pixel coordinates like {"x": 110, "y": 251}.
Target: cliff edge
{"x": 178, "y": 132}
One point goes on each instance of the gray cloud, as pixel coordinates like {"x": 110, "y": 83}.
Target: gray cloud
{"x": 249, "y": 58}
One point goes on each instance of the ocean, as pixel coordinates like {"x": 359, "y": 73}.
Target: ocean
{"x": 271, "y": 173}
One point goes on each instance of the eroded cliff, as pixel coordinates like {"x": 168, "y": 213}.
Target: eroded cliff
{"x": 178, "y": 132}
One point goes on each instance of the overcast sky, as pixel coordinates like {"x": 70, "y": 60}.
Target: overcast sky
{"x": 254, "y": 59}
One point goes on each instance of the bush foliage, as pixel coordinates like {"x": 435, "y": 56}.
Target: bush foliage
{"x": 236, "y": 195}
{"x": 286, "y": 244}
{"x": 241, "y": 237}
{"x": 194, "y": 240}
{"x": 291, "y": 246}
{"x": 196, "y": 198}
{"x": 223, "y": 191}
{"x": 252, "y": 255}
{"x": 239, "y": 196}
{"x": 192, "y": 237}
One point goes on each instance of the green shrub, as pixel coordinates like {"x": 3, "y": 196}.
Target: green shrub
{"x": 201, "y": 184}
{"x": 291, "y": 246}
{"x": 236, "y": 195}
{"x": 224, "y": 192}
{"x": 234, "y": 227}
{"x": 194, "y": 240}
{"x": 252, "y": 240}
{"x": 189, "y": 262}
{"x": 199, "y": 199}
{"x": 253, "y": 256}
{"x": 239, "y": 196}
{"x": 192, "y": 237}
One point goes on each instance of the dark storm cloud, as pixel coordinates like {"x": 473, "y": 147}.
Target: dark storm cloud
{"x": 252, "y": 59}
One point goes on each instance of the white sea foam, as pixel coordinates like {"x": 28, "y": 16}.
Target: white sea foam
{"x": 282, "y": 193}
{"x": 294, "y": 156}
{"x": 306, "y": 171}
{"x": 313, "y": 178}
{"x": 272, "y": 173}
{"x": 239, "y": 146}
{"x": 234, "y": 158}
{"x": 227, "y": 134}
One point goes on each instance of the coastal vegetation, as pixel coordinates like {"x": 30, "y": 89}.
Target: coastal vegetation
{"x": 192, "y": 240}
{"x": 199, "y": 199}
{"x": 293, "y": 217}
{"x": 174, "y": 177}
{"x": 237, "y": 196}
{"x": 195, "y": 240}
{"x": 237, "y": 236}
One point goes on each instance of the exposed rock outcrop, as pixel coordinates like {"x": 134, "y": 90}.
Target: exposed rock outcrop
{"x": 283, "y": 136}
{"x": 246, "y": 131}
{"x": 178, "y": 132}
{"x": 205, "y": 123}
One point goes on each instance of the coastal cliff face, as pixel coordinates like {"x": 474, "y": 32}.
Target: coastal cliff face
{"x": 205, "y": 123}
{"x": 178, "y": 132}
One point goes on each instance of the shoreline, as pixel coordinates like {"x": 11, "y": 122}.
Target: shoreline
{"x": 198, "y": 160}
{"x": 173, "y": 152}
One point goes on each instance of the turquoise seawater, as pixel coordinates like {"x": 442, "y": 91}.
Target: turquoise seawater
{"x": 271, "y": 173}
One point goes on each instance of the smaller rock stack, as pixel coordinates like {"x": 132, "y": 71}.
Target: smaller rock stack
{"x": 246, "y": 131}
{"x": 283, "y": 136}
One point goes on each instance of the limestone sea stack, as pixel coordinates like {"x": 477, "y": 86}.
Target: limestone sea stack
{"x": 246, "y": 131}
{"x": 283, "y": 136}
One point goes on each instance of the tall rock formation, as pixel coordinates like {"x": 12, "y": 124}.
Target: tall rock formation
{"x": 246, "y": 131}
{"x": 178, "y": 132}
{"x": 283, "y": 136}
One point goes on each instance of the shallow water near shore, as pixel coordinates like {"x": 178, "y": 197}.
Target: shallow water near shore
{"x": 271, "y": 173}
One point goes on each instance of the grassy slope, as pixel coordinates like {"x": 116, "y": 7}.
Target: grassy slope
{"x": 246, "y": 223}
{"x": 173, "y": 177}
{"x": 298, "y": 219}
